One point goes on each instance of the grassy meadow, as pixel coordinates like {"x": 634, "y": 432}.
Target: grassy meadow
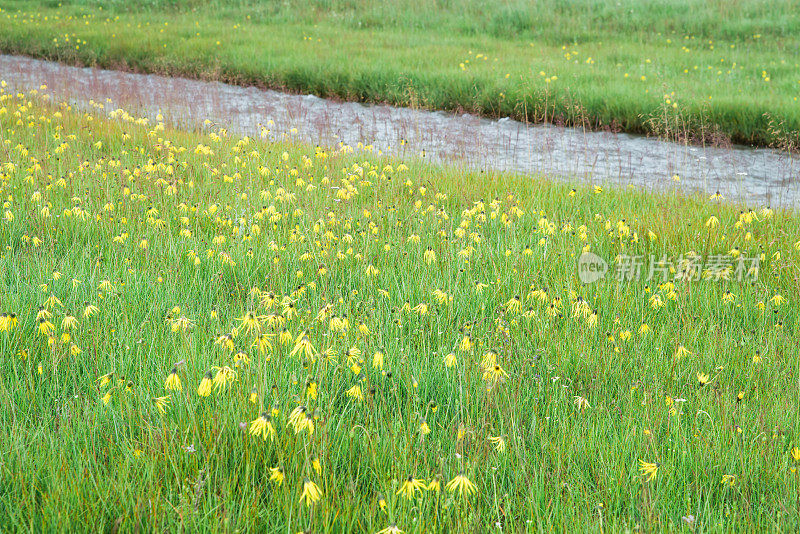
{"x": 202, "y": 332}
{"x": 688, "y": 70}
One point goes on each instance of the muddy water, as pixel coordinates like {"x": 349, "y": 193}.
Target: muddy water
{"x": 753, "y": 176}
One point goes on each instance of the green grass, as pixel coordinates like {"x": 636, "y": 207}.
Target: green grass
{"x": 686, "y": 70}
{"x": 175, "y": 236}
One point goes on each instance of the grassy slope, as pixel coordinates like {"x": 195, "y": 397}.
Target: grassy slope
{"x": 727, "y": 74}
{"x": 151, "y": 225}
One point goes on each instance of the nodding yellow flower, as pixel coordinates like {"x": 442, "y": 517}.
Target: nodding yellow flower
{"x": 795, "y": 453}
{"x": 499, "y": 443}
{"x": 356, "y": 368}
{"x": 253, "y": 396}
{"x": 69, "y": 322}
{"x": 581, "y": 402}
{"x": 45, "y": 327}
{"x": 173, "y": 380}
{"x": 514, "y": 305}
{"x": 656, "y": 302}
{"x": 105, "y": 379}
{"x": 161, "y": 403}
{"x": 324, "y": 313}
{"x": 462, "y": 485}
{"x": 371, "y": 271}
{"x": 52, "y": 301}
{"x": 311, "y": 493}
{"x": 297, "y": 416}
{"x": 262, "y": 426}
{"x": 450, "y": 360}
{"x": 106, "y": 397}
{"x": 410, "y": 486}
{"x": 240, "y": 358}
{"x": 728, "y": 480}
{"x": 681, "y": 352}
{"x": 489, "y": 359}
{"x": 89, "y": 310}
{"x": 381, "y": 502}
{"x": 303, "y": 346}
{"x": 7, "y": 322}
{"x": 315, "y": 463}
{"x": 311, "y": 389}
{"x": 337, "y": 324}
{"x": 494, "y": 374}
{"x": 440, "y": 296}
{"x": 581, "y": 308}
{"x": 648, "y": 469}
{"x": 226, "y": 340}
{"x": 466, "y": 344}
{"x": 276, "y": 475}
{"x": 391, "y": 529}
{"x": 308, "y": 424}
{"x": 181, "y": 324}
{"x": 424, "y": 429}
{"x": 352, "y": 354}
{"x": 285, "y": 337}
{"x": 670, "y": 402}
{"x": 355, "y": 392}
{"x": 290, "y": 310}
{"x": 702, "y": 378}
{"x": 429, "y": 256}
{"x": 712, "y": 222}
{"x": 250, "y": 322}
{"x": 377, "y": 360}
{"x": 204, "y": 389}
{"x": 274, "y": 320}
{"x": 262, "y": 342}
{"x": 224, "y": 377}
{"x": 434, "y": 485}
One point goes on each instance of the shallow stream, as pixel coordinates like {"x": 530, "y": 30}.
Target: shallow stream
{"x": 755, "y": 176}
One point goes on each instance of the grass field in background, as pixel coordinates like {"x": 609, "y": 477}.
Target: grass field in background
{"x": 687, "y": 70}
{"x": 210, "y": 333}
